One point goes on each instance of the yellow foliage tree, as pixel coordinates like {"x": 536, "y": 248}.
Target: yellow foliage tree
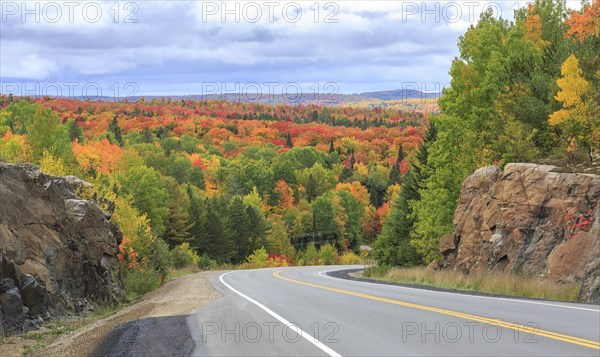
{"x": 579, "y": 117}
{"x": 13, "y": 148}
{"x": 52, "y": 165}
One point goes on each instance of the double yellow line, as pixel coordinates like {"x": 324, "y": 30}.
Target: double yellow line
{"x": 500, "y": 323}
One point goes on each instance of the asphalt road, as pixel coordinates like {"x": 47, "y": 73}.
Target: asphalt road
{"x": 303, "y": 312}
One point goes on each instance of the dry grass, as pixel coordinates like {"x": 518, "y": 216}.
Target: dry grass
{"x": 495, "y": 283}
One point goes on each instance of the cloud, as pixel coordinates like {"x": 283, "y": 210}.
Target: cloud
{"x": 164, "y": 45}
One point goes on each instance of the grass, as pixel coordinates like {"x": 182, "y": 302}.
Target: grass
{"x": 28, "y": 343}
{"x": 176, "y": 273}
{"x": 494, "y": 283}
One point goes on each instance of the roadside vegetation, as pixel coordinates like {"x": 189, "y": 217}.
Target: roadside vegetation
{"x": 493, "y": 283}
{"x": 28, "y": 343}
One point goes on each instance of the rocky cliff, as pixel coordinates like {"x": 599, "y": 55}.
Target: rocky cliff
{"x": 57, "y": 251}
{"x": 529, "y": 219}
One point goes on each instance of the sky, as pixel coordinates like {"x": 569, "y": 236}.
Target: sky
{"x": 125, "y": 48}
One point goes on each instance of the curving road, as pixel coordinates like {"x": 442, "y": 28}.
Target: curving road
{"x": 302, "y": 311}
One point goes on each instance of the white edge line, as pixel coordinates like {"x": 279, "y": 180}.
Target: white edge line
{"x": 303, "y": 334}
{"x": 466, "y": 295}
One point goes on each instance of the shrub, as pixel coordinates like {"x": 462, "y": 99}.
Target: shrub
{"x": 311, "y": 255}
{"x": 160, "y": 257}
{"x": 349, "y": 258}
{"x": 278, "y": 260}
{"x": 258, "y": 258}
{"x": 328, "y": 254}
{"x": 183, "y": 256}
{"x": 140, "y": 281}
{"x": 376, "y": 271}
{"x": 204, "y": 262}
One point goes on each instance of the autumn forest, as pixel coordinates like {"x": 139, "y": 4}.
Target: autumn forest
{"x": 216, "y": 183}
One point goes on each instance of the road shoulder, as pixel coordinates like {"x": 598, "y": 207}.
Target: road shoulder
{"x": 167, "y": 305}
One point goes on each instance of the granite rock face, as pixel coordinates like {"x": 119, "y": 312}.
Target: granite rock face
{"x": 528, "y": 219}
{"x": 58, "y": 252}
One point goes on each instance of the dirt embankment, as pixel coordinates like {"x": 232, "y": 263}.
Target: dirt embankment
{"x": 126, "y": 332}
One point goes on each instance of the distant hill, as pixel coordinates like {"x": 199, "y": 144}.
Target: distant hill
{"x": 399, "y": 94}
{"x": 324, "y": 99}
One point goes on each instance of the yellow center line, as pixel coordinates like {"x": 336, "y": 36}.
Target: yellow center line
{"x": 500, "y": 323}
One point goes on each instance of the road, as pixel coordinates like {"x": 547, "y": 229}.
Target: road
{"x": 301, "y": 311}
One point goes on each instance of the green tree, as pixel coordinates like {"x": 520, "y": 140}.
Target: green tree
{"x": 177, "y": 222}
{"x": 324, "y": 216}
{"x": 218, "y": 239}
{"x": 316, "y": 180}
{"x": 278, "y": 240}
{"x": 451, "y": 158}
{"x": 47, "y": 134}
{"x": 394, "y": 177}
{"x": 311, "y": 188}
{"x": 377, "y": 184}
{"x": 115, "y": 129}
{"x": 350, "y": 211}
{"x": 240, "y": 229}
{"x": 197, "y": 212}
{"x": 75, "y": 131}
{"x": 393, "y": 246}
{"x": 145, "y": 185}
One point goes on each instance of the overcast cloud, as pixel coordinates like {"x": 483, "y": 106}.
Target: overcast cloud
{"x": 177, "y": 47}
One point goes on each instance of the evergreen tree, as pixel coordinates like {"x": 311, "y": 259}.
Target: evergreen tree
{"x": 258, "y": 227}
{"x": 288, "y": 141}
{"x": 147, "y": 136}
{"x": 394, "y": 175}
{"x": 400, "y": 156}
{"x": 75, "y": 131}
{"x": 218, "y": 243}
{"x": 178, "y": 225}
{"x": 393, "y": 247}
{"x": 240, "y": 229}
{"x": 331, "y": 148}
{"x": 311, "y": 188}
{"x": 178, "y": 222}
{"x": 197, "y": 212}
{"x": 114, "y": 128}
{"x": 315, "y": 116}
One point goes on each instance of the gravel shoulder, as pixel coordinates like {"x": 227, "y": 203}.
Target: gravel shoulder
{"x": 125, "y": 332}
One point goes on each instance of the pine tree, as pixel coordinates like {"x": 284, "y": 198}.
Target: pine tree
{"x": 240, "y": 229}
{"x": 331, "y": 148}
{"x": 114, "y": 128}
{"x": 178, "y": 222}
{"x": 400, "y": 156}
{"x": 147, "y": 135}
{"x": 218, "y": 243}
{"x": 258, "y": 227}
{"x": 75, "y": 131}
{"x": 197, "y": 214}
{"x": 288, "y": 141}
{"x": 394, "y": 177}
{"x": 311, "y": 188}
{"x": 392, "y": 247}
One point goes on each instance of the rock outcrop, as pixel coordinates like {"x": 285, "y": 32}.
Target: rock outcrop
{"x": 58, "y": 252}
{"x": 529, "y": 219}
